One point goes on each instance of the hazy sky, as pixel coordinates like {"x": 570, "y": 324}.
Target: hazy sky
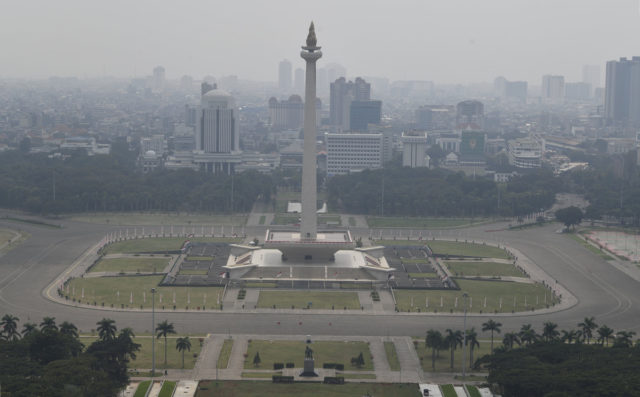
{"x": 447, "y": 41}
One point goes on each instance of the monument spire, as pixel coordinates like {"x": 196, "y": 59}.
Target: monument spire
{"x": 309, "y": 224}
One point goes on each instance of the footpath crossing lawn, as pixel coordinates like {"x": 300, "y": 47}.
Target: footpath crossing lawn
{"x": 455, "y": 248}
{"x": 248, "y": 388}
{"x": 119, "y": 291}
{"x": 225, "y": 353}
{"x": 494, "y": 291}
{"x": 161, "y": 244}
{"x": 131, "y": 265}
{"x": 300, "y": 299}
{"x": 293, "y": 351}
{"x": 478, "y": 268}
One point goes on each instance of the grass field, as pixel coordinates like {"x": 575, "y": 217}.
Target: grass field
{"x": 263, "y": 218}
{"x": 423, "y": 223}
{"x": 198, "y": 258}
{"x": 454, "y": 248}
{"x": 193, "y": 272}
{"x": 477, "y": 290}
{"x": 141, "y": 391}
{"x": 415, "y": 260}
{"x": 160, "y": 244}
{"x": 443, "y": 363}
{"x": 260, "y": 375}
{"x": 448, "y": 391}
{"x": 131, "y": 265}
{"x": 478, "y": 268}
{"x": 400, "y": 242}
{"x": 167, "y": 388}
{"x": 423, "y": 275}
{"x": 293, "y": 351}
{"x": 392, "y": 356}
{"x": 473, "y": 391}
{"x": 105, "y": 289}
{"x": 174, "y": 357}
{"x": 352, "y": 221}
{"x": 6, "y": 235}
{"x": 267, "y": 389}
{"x": 590, "y": 247}
{"x": 225, "y": 353}
{"x": 285, "y": 219}
{"x": 300, "y": 299}
{"x": 142, "y": 218}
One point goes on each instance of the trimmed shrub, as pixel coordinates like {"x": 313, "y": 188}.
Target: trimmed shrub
{"x": 278, "y": 366}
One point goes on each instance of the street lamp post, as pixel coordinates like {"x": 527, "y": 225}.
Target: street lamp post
{"x": 153, "y": 339}
{"x": 464, "y": 333}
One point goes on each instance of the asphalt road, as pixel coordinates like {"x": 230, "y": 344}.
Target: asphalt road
{"x": 602, "y": 290}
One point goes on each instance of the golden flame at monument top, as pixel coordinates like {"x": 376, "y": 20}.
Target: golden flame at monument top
{"x": 311, "y": 37}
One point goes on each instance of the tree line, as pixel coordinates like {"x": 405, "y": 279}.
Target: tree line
{"x": 551, "y": 363}
{"x": 49, "y": 360}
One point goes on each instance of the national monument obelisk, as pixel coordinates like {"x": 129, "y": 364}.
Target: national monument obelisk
{"x": 309, "y": 224}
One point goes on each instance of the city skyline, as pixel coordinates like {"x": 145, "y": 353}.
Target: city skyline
{"x": 418, "y": 41}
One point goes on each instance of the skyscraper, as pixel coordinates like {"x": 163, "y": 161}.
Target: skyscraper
{"x": 591, "y": 74}
{"x": 552, "y": 87}
{"x": 342, "y": 93}
{"x": 470, "y": 115}
{"x": 622, "y": 92}
{"x": 284, "y": 75}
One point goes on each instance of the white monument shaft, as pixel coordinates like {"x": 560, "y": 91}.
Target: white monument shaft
{"x": 309, "y": 224}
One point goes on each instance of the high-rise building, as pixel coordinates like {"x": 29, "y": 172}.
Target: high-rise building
{"x": 435, "y": 117}
{"x": 286, "y": 114}
{"x": 342, "y": 93}
{"x": 510, "y": 89}
{"x": 470, "y": 115}
{"x": 363, "y": 113}
{"x": 284, "y": 75}
{"x": 217, "y": 137}
{"x": 353, "y": 152}
{"x": 552, "y": 87}
{"x": 591, "y": 75}
{"x": 158, "y": 79}
{"x": 414, "y": 148}
{"x": 622, "y": 92}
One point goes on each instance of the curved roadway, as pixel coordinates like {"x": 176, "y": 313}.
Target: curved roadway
{"x": 604, "y": 292}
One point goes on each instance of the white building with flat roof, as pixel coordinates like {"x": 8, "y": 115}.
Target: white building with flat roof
{"x": 348, "y": 153}
{"x": 414, "y": 148}
{"x": 525, "y": 153}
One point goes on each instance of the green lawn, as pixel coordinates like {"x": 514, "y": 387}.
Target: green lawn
{"x": 415, "y": 260}
{"x": 293, "y": 351}
{"x": 160, "y": 244}
{"x": 141, "y": 391}
{"x": 167, "y": 388}
{"x": 477, "y": 290}
{"x": 443, "y": 363}
{"x": 423, "y": 275}
{"x": 105, "y": 289}
{"x": 131, "y": 265}
{"x": 400, "y": 242}
{"x": 590, "y": 247}
{"x": 198, "y": 258}
{"x": 448, "y": 391}
{"x": 225, "y": 353}
{"x": 423, "y": 223}
{"x": 477, "y": 268}
{"x": 473, "y": 391}
{"x": 267, "y": 389}
{"x": 6, "y": 235}
{"x": 263, "y": 218}
{"x": 455, "y": 248}
{"x": 173, "y": 218}
{"x": 357, "y": 376}
{"x": 193, "y": 272}
{"x": 392, "y": 356}
{"x": 284, "y": 219}
{"x": 300, "y": 299}
{"x": 174, "y": 357}
{"x": 333, "y": 219}
{"x": 352, "y": 221}
{"x": 260, "y": 375}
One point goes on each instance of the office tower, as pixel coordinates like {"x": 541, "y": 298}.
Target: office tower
{"x": 353, "y": 152}
{"x": 298, "y": 81}
{"x": 284, "y": 76}
{"x": 435, "y": 117}
{"x": 342, "y": 93}
{"x": 363, "y": 113}
{"x": 335, "y": 71}
{"x": 217, "y": 137}
{"x": 158, "y": 79}
{"x": 309, "y": 223}
{"x": 470, "y": 115}
{"x": 622, "y": 92}
{"x": 414, "y": 148}
{"x": 552, "y": 87}
{"x": 286, "y": 114}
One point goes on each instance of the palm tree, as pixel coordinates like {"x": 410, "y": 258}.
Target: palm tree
{"x": 125, "y": 337}
{"x": 510, "y": 339}
{"x": 162, "y": 330}
{"x": 452, "y": 341}
{"x": 604, "y": 334}
{"x": 67, "y": 328}
{"x": 492, "y": 326}
{"x": 106, "y": 329}
{"x": 434, "y": 340}
{"x": 588, "y": 325}
{"x": 527, "y": 334}
{"x": 28, "y": 328}
{"x": 549, "y": 332}
{"x": 570, "y": 336}
{"x": 624, "y": 339}
{"x": 9, "y": 324}
{"x": 48, "y": 324}
{"x": 183, "y": 344}
{"x": 472, "y": 341}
